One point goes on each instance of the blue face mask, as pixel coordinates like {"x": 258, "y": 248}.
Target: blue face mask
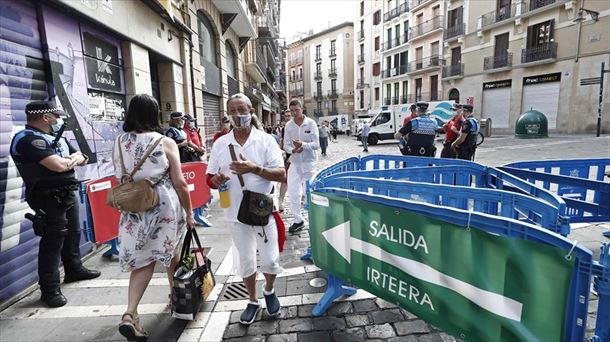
{"x": 57, "y": 125}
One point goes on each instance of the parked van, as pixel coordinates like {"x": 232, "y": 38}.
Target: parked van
{"x": 389, "y": 120}
{"x": 341, "y": 122}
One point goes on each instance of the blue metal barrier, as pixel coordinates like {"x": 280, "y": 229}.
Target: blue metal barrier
{"x": 580, "y": 182}
{"x": 467, "y": 193}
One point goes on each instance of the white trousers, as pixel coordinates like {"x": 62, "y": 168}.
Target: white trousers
{"x": 247, "y": 240}
{"x": 296, "y": 186}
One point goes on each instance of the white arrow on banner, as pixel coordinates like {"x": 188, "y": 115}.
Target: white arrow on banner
{"x": 340, "y": 239}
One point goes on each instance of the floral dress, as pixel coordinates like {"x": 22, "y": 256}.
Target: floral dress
{"x": 153, "y": 235}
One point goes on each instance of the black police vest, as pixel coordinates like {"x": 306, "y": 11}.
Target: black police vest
{"x": 33, "y": 172}
{"x": 471, "y": 138}
{"x": 423, "y": 132}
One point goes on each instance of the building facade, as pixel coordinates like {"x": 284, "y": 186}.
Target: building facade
{"x": 367, "y": 57}
{"x": 507, "y": 57}
{"x": 295, "y": 69}
{"x": 328, "y": 72}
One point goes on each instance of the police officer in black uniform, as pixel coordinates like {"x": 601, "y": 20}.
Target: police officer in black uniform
{"x": 46, "y": 163}
{"x": 177, "y": 133}
{"x": 419, "y": 133}
{"x": 466, "y": 143}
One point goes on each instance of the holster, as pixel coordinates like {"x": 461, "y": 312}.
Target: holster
{"x": 39, "y": 222}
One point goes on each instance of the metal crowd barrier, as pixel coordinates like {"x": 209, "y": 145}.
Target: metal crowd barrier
{"x": 476, "y": 204}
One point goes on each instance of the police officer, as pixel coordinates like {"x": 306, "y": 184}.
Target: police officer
{"x": 419, "y": 133}
{"x": 466, "y": 143}
{"x": 175, "y": 131}
{"x": 46, "y": 163}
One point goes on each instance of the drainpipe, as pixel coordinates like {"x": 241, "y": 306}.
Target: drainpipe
{"x": 582, "y": 5}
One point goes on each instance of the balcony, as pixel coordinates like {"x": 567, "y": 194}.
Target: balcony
{"x": 296, "y": 92}
{"x": 426, "y": 27}
{"x": 404, "y": 99}
{"x": 453, "y": 71}
{"x": 317, "y": 75}
{"x": 387, "y": 101}
{"x": 360, "y": 84}
{"x": 396, "y": 71}
{"x": 242, "y": 20}
{"x": 417, "y": 3}
{"x": 332, "y": 72}
{"x": 332, "y": 94}
{"x": 396, "y": 42}
{"x": 296, "y": 61}
{"x": 396, "y": 12}
{"x": 454, "y": 31}
{"x": 395, "y": 100}
{"x": 318, "y": 95}
{"x": 318, "y": 57}
{"x": 498, "y": 63}
{"x": 257, "y": 68}
{"x": 501, "y": 14}
{"x": 332, "y": 53}
{"x": 360, "y": 59}
{"x": 434, "y": 96}
{"x": 536, "y": 4}
{"x": 360, "y": 35}
{"x": 420, "y": 65}
{"x": 540, "y": 53}
{"x": 318, "y": 113}
{"x": 333, "y": 112}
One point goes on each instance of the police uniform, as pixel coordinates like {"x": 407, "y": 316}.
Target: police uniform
{"x": 179, "y": 136}
{"x": 51, "y": 195}
{"x": 470, "y": 126}
{"x": 421, "y": 134}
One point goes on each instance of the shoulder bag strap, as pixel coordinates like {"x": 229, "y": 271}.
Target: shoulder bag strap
{"x": 148, "y": 152}
{"x": 234, "y": 158}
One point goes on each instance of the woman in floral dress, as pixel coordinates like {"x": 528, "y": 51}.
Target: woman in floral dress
{"x": 154, "y": 235}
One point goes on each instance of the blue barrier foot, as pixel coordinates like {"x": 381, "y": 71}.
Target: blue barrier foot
{"x": 199, "y": 216}
{"x": 335, "y": 289}
{"x": 307, "y": 255}
{"x": 114, "y": 248}
{"x": 606, "y": 234}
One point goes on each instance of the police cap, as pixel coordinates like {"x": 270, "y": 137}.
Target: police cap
{"x": 457, "y": 106}
{"x": 422, "y": 106}
{"x": 176, "y": 115}
{"x": 43, "y": 107}
{"x": 467, "y": 107}
{"x": 188, "y": 117}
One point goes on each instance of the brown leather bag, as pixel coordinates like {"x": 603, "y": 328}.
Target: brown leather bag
{"x": 132, "y": 196}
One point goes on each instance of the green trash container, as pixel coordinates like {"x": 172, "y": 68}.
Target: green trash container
{"x": 532, "y": 124}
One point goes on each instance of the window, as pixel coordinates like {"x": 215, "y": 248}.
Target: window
{"x": 418, "y": 85}
{"x": 362, "y": 50}
{"x": 382, "y": 118}
{"x": 300, "y": 73}
{"x": 333, "y": 85}
{"x": 318, "y": 68}
{"x": 361, "y": 8}
{"x": 377, "y": 18}
{"x": 405, "y": 87}
{"x": 362, "y": 99}
{"x": 333, "y": 65}
{"x": 231, "y": 61}
{"x": 318, "y": 51}
{"x": 377, "y": 43}
{"x": 319, "y": 88}
{"x": 333, "y": 106}
{"x": 377, "y": 94}
{"x": 436, "y": 11}
{"x": 376, "y": 69}
{"x": 540, "y": 34}
{"x": 396, "y": 90}
{"x": 332, "y": 46}
{"x": 388, "y": 91}
{"x": 319, "y": 106}
{"x": 293, "y": 75}
{"x": 207, "y": 40}
{"x": 434, "y": 88}
{"x": 454, "y": 17}
{"x": 389, "y": 38}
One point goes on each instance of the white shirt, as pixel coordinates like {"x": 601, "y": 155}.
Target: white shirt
{"x": 308, "y": 134}
{"x": 260, "y": 148}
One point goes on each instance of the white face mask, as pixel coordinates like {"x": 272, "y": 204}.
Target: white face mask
{"x": 57, "y": 125}
{"x": 241, "y": 121}
{"x": 192, "y": 124}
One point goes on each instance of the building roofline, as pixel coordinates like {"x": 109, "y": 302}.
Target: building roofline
{"x": 328, "y": 30}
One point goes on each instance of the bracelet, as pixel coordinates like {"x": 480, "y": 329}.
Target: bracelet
{"x": 260, "y": 170}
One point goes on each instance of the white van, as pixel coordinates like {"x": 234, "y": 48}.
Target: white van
{"x": 389, "y": 120}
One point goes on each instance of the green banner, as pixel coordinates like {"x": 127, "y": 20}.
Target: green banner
{"x": 472, "y": 284}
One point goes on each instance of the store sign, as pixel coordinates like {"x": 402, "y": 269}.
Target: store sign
{"x": 463, "y": 280}
{"x": 556, "y": 77}
{"x": 102, "y": 64}
{"x": 497, "y": 84}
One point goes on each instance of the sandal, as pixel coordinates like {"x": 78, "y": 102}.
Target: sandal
{"x": 130, "y": 328}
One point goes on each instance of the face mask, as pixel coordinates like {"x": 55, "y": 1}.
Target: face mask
{"x": 57, "y": 125}
{"x": 242, "y": 121}
{"x": 227, "y": 126}
{"x": 191, "y": 124}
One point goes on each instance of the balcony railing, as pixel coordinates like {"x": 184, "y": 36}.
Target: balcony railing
{"x": 500, "y": 14}
{"x": 397, "y": 41}
{"x": 540, "y": 52}
{"x": 396, "y": 71}
{"x": 360, "y": 84}
{"x": 387, "y": 101}
{"x": 499, "y": 61}
{"x": 404, "y": 99}
{"x": 415, "y": 3}
{"x": 360, "y": 34}
{"x": 424, "y": 63}
{"x": 434, "y": 96}
{"x": 536, "y": 4}
{"x": 453, "y": 70}
{"x": 318, "y": 95}
{"x": 454, "y": 31}
{"x": 333, "y": 112}
{"x": 332, "y": 72}
{"x": 360, "y": 59}
{"x": 296, "y": 92}
{"x": 395, "y": 100}
{"x": 332, "y": 53}
{"x": 427, "y": 26}
{"x": 317, "y": 75}
{"x": 395, "y": 12}
{"x": 318, "y": 57}
{"x": 332, "y": 94}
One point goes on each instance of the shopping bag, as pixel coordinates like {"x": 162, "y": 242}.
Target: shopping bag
{"x": 189, "y": 278}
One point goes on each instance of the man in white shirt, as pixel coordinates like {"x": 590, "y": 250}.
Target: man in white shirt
{"x": 301, "y": 140}
{"x": 260, "y": 163}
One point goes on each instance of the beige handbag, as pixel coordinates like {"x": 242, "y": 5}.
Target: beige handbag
{"x": 131, "y": 196}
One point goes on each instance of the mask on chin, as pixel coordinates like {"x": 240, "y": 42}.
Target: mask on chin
{"x": 57, "y": 125}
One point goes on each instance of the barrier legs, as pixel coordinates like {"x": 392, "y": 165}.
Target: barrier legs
{"x": 335, "y": 289}
{"x": 307, "y": 255}
{"x": 114, "y": 248}
{"x": 602, "y": 286}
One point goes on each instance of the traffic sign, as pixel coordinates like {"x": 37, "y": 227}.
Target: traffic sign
{"x": 468, "y": 282}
